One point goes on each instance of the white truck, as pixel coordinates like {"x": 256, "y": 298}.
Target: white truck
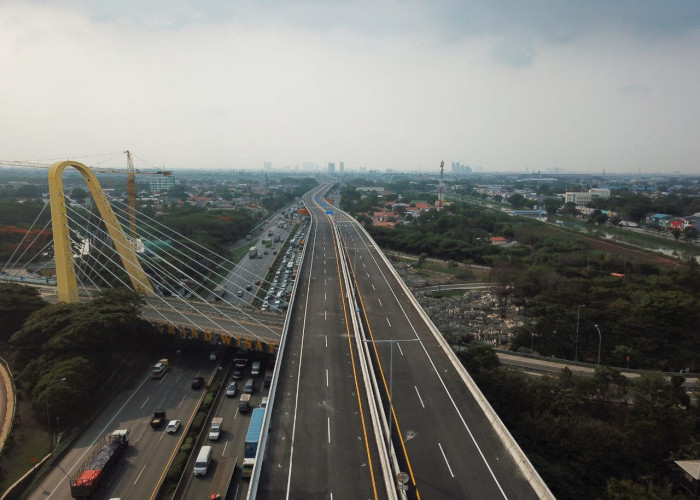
{"x": 253, "y": 252}
{"x": 215, "y": 430}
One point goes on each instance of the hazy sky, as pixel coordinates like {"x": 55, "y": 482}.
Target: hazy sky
{"x": 403, "y": 84}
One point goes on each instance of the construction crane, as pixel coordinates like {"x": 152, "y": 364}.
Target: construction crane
{"x": 130, "y": 181}
{"x": 441, "y": 190}
{"x": 131, "y": 194}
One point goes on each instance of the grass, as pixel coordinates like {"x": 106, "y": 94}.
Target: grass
{"x": 28, "y": 442}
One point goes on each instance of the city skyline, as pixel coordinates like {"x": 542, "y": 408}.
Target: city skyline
{"x": 584, "y": 88}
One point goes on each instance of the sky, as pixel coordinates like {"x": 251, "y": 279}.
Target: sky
{"x": 500, "y": 85}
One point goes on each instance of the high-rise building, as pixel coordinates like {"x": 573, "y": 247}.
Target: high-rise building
{"x": 458, "y": 168}
{"x": 341, "y": 167}
{"x": 160, "y": 184}
{"x": 267, "y": 165}
{"x": 331, "y": 168}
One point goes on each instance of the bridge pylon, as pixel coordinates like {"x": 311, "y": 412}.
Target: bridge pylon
{"x": 65, "y": 269}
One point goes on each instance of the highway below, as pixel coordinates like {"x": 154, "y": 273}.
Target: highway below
{"x": 442, "y": 436}
{"x": 321, "y": 440}
{"x": 136, "y": 474}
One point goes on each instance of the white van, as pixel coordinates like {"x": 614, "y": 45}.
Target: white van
{"x": 255, "y": 369}
{"x": 202, "y": 463}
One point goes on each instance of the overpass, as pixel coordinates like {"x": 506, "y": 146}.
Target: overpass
{"x": 368, "y": 400}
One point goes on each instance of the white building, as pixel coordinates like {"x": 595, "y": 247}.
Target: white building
{"x": 581, "y": 198}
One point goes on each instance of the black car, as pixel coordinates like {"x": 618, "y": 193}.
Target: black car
{"x": 237, "y": 375}
{"x": 197, "y": 382}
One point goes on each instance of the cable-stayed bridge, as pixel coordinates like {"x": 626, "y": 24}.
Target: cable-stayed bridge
{"x": 176, "y": 275}
{"x": 346, "y": 414}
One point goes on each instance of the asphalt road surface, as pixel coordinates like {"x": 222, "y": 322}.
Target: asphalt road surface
{"x": 321, "y": 444}
{"x": 450, "y": 449}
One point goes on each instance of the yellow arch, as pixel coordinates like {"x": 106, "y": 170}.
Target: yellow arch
{"x": 65, "y": 269}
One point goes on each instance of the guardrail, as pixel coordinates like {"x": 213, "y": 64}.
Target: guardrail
{"x": 260, "y": 454}
{"x": 526, "y": 467}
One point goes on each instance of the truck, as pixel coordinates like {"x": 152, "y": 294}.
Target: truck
{"x": 267, "y": 242}
{"x": 104, "y": 454}
{"x": 277, "y": 238}
{"x": 269, "y": 232}
{"x": 215, "y": 430}
{"x": 158, "y": 419}
{"x": 252, "y": 439}
{"x": 253, "y": 252}
{"x": 248, "y": 237}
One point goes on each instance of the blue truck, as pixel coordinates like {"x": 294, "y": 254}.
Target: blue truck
{"x": 252, "y": 439}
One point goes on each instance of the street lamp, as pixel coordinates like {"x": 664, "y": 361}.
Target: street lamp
{"x": 578, "y": 318}
{"x": 46, "y": 400}
{"x": 391, "y": 375}
{"x": 600, "y": 341}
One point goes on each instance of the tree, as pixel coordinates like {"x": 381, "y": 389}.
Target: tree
{"x": 78, "y": 194}
{"x": 690, "y": 233}
{"x": 552, "y": 204}
{"x": 17, "y": 303}
{"x": 570, "y": 209}
{"x": 517, "y": 200}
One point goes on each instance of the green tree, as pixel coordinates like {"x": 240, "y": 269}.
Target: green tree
{"x": 78, "y": 194}
{"x": 17, "y": 303}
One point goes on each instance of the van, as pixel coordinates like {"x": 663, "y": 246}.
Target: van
{"x": 268, "y": 378}
{"x": 202, "y": 463}
{"x": 244, "y": 403}
{"x": 255, "y": 369}
{"x": 249, "y": 386}
{"x": 263, "y": 403}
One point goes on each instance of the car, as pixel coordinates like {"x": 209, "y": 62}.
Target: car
{"x": 239, "y": 293}
{"x": 173, "y": 426}
{"x": 237, "y": 375}
{"x": 197, "y": 382}
{"x": 248, "y": 287}
{"x": 160, "y": 368}
{"x": 212, "y": 356}
{"x": 274, "y": 252}
{"x": 232, "y": 389}
{"x": 257, "y": 282}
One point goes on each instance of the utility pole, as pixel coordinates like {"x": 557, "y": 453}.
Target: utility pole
{"x": 578, "y": 317}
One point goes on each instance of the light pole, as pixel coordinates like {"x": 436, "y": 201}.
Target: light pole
{"x": 391, "y": 375}
{"x": 600, "y": 341}
{"x": 578, "y": 318}
{"x": 48, "y": 420}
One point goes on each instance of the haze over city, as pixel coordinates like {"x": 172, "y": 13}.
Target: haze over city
{"x": 581, "y": 86}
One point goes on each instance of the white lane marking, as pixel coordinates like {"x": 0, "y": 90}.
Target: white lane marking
{"x": 363, "y": 265}
{"x": 139, "y": 476}
{"x": 446, "y": 461}
{"x": 329, "y": 430}
{"x": 380, "y": 302}
{"x": 325, "y": 314}
{"x": 419, "y": 398}
{"x": 326, "y": 337}
{"x": 296, "y": 397}
{"x": 442, "y": 381}
{"x": 144, "y": 403}
{"x": 324, "y": 295}
{"x": 399, "y": 346}
{"x": 387, "y": 320}
{"x": 373, "y": 286}
{"x": 326, "y": 378}
{"x": 368, "y": 275}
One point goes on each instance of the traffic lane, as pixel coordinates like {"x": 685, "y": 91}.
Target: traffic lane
{"x": 329, "y": 408}
{"x": 275, "y": 468}
{"x": 447, "y": 389}
{"x": 125, "y": 410}
{"x": 229, "y": 448}
{"x": 174, "y": 395}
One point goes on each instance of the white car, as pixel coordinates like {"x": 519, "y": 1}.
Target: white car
{"x": 173, "y": 426}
